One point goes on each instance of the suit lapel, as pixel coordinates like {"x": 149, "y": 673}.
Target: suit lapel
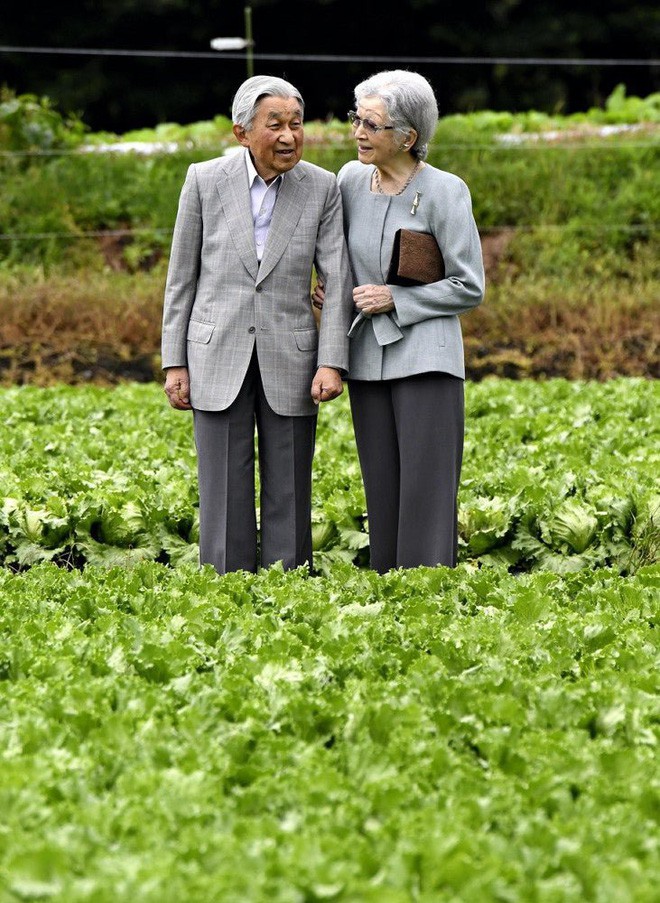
{"x": 287, "y": 212}
{"x": 235, "y": 200}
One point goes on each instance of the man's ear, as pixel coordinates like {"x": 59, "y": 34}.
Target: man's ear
{"x": 241, "y": 135}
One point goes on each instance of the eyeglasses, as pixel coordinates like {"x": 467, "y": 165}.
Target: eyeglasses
{"x": 371, "y": 127}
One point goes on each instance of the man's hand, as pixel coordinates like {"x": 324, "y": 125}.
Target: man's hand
{"x": 326, "y": 385}
{"x": 177, "y": 388}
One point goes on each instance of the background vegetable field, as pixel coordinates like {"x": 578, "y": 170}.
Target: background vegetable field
{"x": 567, "y": 208}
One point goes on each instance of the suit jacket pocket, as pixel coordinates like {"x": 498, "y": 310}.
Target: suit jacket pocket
{"x": 306, "y": 339}
{"x": 200, "y": 332}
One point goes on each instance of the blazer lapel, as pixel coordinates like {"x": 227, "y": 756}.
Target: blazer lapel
{"x": 287, "y": 212}
{"x": 235, "y": 200}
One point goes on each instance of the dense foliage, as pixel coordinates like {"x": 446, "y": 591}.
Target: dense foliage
{"x": 430, "y": 735}
{"x": 170, "y": 735}
{"x": 574, "y": 201}
{"x": 557, "y": 476}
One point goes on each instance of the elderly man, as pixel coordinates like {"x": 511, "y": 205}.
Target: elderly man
{"x": 240, "y": 344}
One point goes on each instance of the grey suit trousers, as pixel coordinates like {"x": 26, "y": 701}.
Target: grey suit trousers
{"x": 226, "y": 473}
{"x": 409, "y": 435}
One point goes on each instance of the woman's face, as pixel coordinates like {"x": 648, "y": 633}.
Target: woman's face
{"x": 377, "y": 142}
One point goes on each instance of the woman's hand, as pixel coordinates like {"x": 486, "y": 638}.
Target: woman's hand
{"x": 318, "y": 295}
{"x": 373, "y": 299}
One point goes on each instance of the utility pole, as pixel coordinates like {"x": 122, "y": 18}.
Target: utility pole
{"x": 249, "y": 43}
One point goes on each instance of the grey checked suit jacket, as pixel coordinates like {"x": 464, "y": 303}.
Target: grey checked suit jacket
{"x": 220, "y": 301}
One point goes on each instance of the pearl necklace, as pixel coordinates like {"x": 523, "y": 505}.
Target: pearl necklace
{"x": 405, "y": 184}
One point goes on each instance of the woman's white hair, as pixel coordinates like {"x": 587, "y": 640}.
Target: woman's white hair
{"x": 244, "y": 106}
{"x": 410, "y": 103}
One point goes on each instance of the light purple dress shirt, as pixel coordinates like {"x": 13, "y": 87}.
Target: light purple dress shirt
{"x": 262, "y": 199}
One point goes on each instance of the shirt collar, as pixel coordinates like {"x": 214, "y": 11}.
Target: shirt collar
{"x": 253, "y": 174}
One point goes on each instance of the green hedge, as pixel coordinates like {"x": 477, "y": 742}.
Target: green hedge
{"x": 580, "y": 202}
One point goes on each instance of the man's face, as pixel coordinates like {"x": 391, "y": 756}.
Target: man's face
{"x": 275, "y": 139}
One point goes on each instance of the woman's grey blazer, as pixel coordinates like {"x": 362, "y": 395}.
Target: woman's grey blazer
{"x": 423, "y": 333}
{"x": 221, "y": 302}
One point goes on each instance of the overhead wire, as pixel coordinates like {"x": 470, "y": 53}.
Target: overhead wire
{"x": 336, "y": 58}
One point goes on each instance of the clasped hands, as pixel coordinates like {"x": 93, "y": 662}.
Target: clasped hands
{"x": 369, "y": 299}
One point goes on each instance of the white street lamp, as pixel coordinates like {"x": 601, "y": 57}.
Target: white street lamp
{"x": 228, "y": 44}
{"x": 239, "y": 43}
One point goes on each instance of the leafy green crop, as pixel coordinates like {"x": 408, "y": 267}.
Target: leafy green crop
{"x": 170, "y": 735}
{"x": 435, "y": 734}
{"x": 557, "y": 476}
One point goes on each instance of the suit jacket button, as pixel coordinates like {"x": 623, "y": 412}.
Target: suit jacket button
{"x": 251, "y": 329}
{"x": 259, "y": 288}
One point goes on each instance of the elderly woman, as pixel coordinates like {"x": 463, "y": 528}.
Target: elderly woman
{"x": 406, "y": 366}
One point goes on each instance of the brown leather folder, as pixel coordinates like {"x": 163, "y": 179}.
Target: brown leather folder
{"x": 416, "y": 259}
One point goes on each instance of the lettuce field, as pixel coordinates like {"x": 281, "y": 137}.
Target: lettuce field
{"x": 482, "y": 734}
{"x": 557, "y": 476}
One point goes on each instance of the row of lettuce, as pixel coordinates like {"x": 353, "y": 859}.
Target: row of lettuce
{"x": 557, "y": 476}
{"x": 168, "y": 734}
